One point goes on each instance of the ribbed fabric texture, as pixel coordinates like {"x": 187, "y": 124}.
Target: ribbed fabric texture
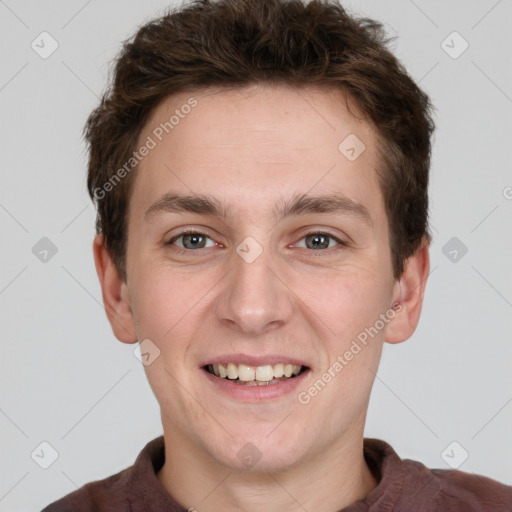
{"x": 404, "y": 486}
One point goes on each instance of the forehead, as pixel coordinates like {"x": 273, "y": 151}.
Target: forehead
{"x": 256, "y": 142}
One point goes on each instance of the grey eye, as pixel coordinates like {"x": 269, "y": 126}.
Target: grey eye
{"x": 192, "y": 241}
{"x": 317, "y": 241}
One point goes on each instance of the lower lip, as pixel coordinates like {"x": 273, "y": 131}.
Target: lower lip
{"x": 256, "y": 393}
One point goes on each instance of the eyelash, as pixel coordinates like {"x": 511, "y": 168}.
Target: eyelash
{"x": 180, "y": 250}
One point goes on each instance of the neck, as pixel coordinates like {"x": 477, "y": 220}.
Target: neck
{"x": 331, "y": 480}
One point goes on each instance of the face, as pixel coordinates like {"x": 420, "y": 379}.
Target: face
{"x": 260, "y": 276}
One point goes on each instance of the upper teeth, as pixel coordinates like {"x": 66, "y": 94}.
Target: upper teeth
{"x": 261, "y": 373}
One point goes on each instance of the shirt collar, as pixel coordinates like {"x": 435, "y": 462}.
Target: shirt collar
{"x": 146, "y": 493}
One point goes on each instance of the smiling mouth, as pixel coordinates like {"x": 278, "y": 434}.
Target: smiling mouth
{"x": 245, "y": 375}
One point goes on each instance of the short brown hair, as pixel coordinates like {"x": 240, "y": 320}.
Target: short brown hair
{"x": 234, "y": 43}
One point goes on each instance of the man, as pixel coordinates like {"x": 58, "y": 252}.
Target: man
{"x": 260, "y": 170}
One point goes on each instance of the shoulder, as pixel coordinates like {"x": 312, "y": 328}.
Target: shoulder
{"x": 107, "y": 494}
{"x": 117, "y": 493}
{"x": 406, "y": 484}
{"x": 455, "y": 490}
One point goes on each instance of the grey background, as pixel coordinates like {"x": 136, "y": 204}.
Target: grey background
{"x": 66, "y": 380}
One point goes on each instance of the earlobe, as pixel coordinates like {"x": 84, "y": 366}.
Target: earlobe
{"x": 410, "y": 289}
{"x": 115, "y": 294}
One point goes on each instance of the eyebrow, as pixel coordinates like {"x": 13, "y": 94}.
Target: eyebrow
{"x": 298, "y": 205}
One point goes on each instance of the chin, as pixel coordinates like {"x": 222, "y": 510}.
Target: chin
{"x": 258, "y": 455}
{"x": 269, "y": 464}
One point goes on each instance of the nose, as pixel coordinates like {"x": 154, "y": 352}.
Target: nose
{"x": 254, "y": 298}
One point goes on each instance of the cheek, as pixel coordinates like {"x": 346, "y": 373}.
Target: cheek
{"x": 168, "y": 302}
{"x": 346, "y": 300}
{"x": 348, "y": 303}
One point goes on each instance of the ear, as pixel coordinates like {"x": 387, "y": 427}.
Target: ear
{"x": 408, "y": 295}
{"x": 115, "y": 294}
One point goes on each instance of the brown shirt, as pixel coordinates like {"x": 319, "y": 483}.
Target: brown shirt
{"x": 404, "y": 486}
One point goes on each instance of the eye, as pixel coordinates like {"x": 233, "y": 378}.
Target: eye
{"x": 191, "y": 240}
{"x": 321, "y": 240}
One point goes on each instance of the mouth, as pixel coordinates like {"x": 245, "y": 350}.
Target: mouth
{"x": 263, "y": 375}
